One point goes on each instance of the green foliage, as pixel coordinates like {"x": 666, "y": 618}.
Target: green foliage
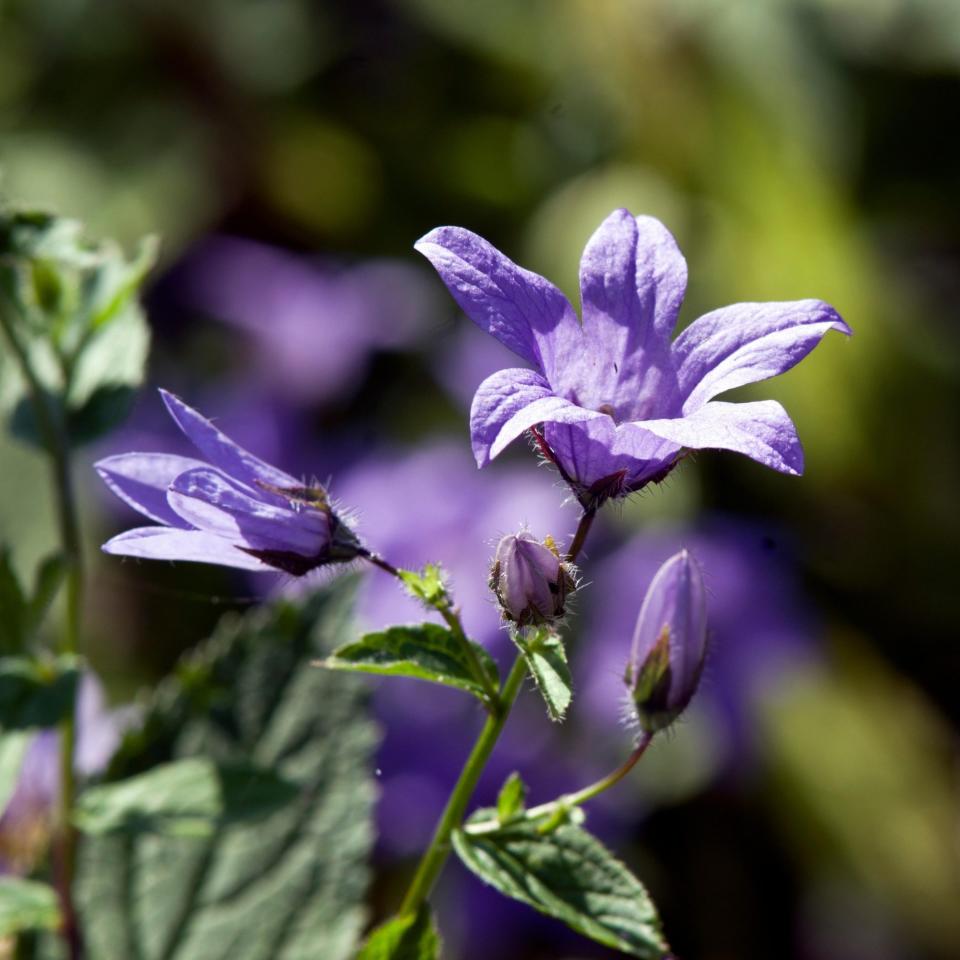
{"x": 547, "y": 661}
{"x": 511, "y": 799}
{"x": 71, "y": 306}
{"x": 21, "y": 614}
{"x": 426, "y": 651}
{"x": 291, "y": 883}
{"x": 13, "y": 748}
{"x": 193, "y": 797}
{"x": 427, "y": 586}
{"x": 37, "y": 692}
{"x": 567, "y": 874}
{"x": 404, "y": 938}
{"x": 27, "y": 905}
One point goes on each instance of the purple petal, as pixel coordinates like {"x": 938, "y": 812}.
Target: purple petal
{"x": 209, "y": 501}
{"x": 510, "y": 402}
{"x": 521, "y": 309}
{"x": 222, "y": 452}
{"x": 761, "y": 430}
{"x": 141, "y": 480}
{"x": 162, "y": 543}
{"x": 748, "y": 342}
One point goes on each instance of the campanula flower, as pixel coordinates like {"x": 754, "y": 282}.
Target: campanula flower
{"x": 669, "y": 643}
{"x": 618, "y": 400}
{"x": 233, "y": 510}
{"x": 530, "y": 580}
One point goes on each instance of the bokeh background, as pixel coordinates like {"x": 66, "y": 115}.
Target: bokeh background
{"x": 290, "y": 152}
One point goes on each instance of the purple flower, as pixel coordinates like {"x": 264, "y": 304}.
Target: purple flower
{"x": 235, "y": 510}
{"x": 669, "y": 643}
{"x": 618, "y": 400}
{"x": 530, "y": 580}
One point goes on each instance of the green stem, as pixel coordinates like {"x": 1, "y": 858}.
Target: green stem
{"x": 54, "y": 435}
{"x": 436, "y": 854}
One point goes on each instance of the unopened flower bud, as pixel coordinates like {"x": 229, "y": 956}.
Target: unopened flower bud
{"x": 669, "y": 643}
{"x": 530, "y": 580}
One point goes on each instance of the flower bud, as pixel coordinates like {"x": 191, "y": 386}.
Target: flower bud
{"x": 530, "y": 580}
{"x": 669, "y": 643}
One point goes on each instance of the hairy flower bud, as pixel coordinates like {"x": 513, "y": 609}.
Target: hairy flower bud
{"x": 669, "y": 643}
{"x": 530, "y": 580}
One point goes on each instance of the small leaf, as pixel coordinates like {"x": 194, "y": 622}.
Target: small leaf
{"x": 50, "y": 575}
{"x": 567, "y": 874}
{"x": 404, "y": 938}
{"x": 191, "y": 797}
{"x": 37, "y": 693}
{"x": 511, "y": 799}
{"x": 426, "y": 651}
{"x": 13, "y": 748}
{"x": 427, "y": 586}
{"x": 13, "y": 606}
{"x": 27, "y": 905}
{"x": 547, "y": 660}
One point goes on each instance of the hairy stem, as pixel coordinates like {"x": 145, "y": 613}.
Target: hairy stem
{"x": 580, "y": 537}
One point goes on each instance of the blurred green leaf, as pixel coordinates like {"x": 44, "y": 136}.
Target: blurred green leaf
{"x": 292, "y": 883}
{"x": 567, "y": 874}
{"x": 511, "y": 799}
{"x": 27, "y": 905}
{"x": 547, "y": 660}
{"x": 191, "y": 797}
{"x": 13, "y": 748}
{"x": 49, "y": 577}
{"x": 13, "y": 605}
{"x": 37, "y": 692}
{"x": 404, "y": 938}
{"x": 425, "y": 651}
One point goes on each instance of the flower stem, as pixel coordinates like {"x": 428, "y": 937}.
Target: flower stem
{"x": 436, "y": 854}
{"x": 580, "y": 537}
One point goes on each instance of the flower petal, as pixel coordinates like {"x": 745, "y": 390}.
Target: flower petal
{"x": 748, "y": 342}
{"x": 162, "y": 543}
{"x": 209, "y": 501}
{"x": 511, "y": 401}
{"x": 520, "y": 308}
{"x": 222, "y": 452}
{"x": 762, "y": 430}
{"x": 141, "y": 480}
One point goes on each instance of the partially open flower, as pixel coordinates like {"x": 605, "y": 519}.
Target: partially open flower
{"x": 234, "y": 509}
{"x": 669, "y": 644}
{"x": 530, "y": 580}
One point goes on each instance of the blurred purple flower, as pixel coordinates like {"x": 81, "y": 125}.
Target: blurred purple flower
{"x": 27, "y": 819}
{"x": 236, "y": 511}
{"x": 314, "y": 324}
{"x": 619, "y": 401}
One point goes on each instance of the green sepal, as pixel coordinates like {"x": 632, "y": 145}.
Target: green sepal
{"x": 511, "y": 799}
{"x": 27, "y": 905}
{"x": 412, "y": 937}
{"x": 426, "y": 651}
{"x": 37, "y": 692}
{"x": 546, "y": 659}
{"x": 567, "y": 874}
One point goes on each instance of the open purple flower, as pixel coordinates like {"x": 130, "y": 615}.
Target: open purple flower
{"x": 618, "y": 400}
{"x": 234, "y": 510}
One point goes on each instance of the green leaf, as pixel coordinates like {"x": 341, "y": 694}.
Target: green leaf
{"x": 547, "y": 661}
{"x": 567, "y": 874}
{"x": 27, "y": 905}
{"x": 192, "y": 797}
{"x": 426, "y": 651}
{"x": 49, "y": 578}
{"x": 287, "y": 885}
{"x": 13, "y": 748}
{"x": 404, "y": 938}
{"x": 13, "y": 606}
{"x": 511, "y": 799}
{"x": 427, "y": 586}
{"x": 37, "y": 693}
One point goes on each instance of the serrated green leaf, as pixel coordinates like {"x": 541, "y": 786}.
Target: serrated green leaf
{"x": 13, "y": 606}
{"x": 13, "y": 748}
{"x": 288, "y": 886}
{"x": 27, "y": 905}
{"x": 427, "y": 585}
{"x": 511, "y": 799}
{"x": 425, "y": 651}
{"x": 192, "y": 797}
{"x": 404, "y": 938}
{"x": 567, "y": 874}
{"x": 547, "y": 661}
{"x": 37, "y": 693}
